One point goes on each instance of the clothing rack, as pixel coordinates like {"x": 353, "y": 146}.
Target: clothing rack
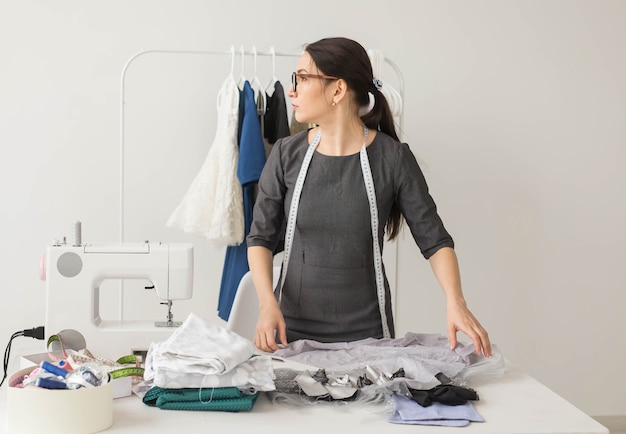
{"x": 232, "y": 54}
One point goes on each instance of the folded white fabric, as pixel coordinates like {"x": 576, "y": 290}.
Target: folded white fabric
{"x": 255, "y": 374}
{"x": 199, "y": 347}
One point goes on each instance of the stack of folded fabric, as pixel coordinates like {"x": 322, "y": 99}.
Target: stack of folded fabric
{"x": 403, "y": 410}
{"x": 216, "y": 399}
{"x": 203, "y": 366}
{"x": 445, "y": 405}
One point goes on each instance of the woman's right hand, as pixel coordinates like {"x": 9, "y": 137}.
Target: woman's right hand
{"x": 271, "y": 324}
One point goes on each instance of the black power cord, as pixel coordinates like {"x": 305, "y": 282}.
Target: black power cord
{"x": 35, "y": 333}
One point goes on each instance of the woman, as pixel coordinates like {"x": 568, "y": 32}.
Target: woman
{"x": 336, "y": 188}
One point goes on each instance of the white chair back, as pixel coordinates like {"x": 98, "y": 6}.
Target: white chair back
{"x": 245, "y": 311}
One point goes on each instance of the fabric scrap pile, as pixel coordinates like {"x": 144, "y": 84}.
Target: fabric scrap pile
{"x": 418, "y": 377}
{"x": 202, "y": 366}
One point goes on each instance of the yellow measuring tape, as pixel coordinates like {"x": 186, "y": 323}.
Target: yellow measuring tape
{"x": 130, "y": 371}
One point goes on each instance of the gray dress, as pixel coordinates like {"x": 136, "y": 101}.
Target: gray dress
{"x": 329, "y": 293}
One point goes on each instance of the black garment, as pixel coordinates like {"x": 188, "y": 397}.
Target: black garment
{"x": 275, "y": 121}
{"x": 447, "y": 394}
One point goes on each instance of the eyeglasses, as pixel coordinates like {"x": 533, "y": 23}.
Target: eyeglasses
{"x": 295, "y": 75}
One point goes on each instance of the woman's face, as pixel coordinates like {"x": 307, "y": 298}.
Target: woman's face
{"x": 312, "y": 98}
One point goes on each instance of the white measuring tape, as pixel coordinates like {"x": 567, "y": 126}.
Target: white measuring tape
{"x": 371, "y": 197}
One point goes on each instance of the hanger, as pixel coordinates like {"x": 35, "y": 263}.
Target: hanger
{"x": 270, "y": 86}
{"x": 232, "y": 61}
{"x": 259, "y": 90}
{"x": 242, "y": 77}
{"x": 231, "y": 75}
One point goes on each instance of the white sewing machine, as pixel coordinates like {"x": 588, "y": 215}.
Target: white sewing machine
{"x": 74, "y": 275}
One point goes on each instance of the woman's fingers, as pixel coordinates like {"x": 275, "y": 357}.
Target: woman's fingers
{"x": 465, "y": 322}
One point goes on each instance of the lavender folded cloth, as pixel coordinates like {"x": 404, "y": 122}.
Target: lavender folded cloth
{"x": 407, "y": 411}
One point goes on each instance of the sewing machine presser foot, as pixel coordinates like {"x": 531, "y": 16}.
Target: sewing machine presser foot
{"x": 170, "y": 317}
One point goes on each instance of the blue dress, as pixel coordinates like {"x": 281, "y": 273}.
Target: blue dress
{"x": 249, "y": 168}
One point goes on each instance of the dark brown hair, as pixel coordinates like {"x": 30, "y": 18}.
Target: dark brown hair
{"x": 348, "y": 60}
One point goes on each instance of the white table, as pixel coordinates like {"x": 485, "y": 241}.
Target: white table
{"x": 515, "y": 403}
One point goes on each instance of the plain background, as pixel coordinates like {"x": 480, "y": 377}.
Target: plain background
{"x": 515, "y": 109}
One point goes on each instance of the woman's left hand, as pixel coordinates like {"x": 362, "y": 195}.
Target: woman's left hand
{"x": 461, "y": 319}
{"x": 446, "y": 268}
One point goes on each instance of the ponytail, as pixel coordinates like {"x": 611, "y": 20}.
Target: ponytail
{"x": 347, "y": 59}
{"x": 380, "y": 117}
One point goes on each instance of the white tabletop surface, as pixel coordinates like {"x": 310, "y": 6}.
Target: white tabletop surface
{"x": 514, "y": 403}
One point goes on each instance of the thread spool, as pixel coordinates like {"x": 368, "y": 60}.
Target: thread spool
{"x": 48, "y": 383}
{"x": 53, "y": 369}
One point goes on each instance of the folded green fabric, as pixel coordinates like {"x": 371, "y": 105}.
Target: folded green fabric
{"x": 209, "y": 399}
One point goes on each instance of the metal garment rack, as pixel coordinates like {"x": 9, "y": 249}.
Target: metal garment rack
{"x": 232, "y": 54}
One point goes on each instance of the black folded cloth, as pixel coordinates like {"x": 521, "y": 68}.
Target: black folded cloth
{"x": 447, "y": 394}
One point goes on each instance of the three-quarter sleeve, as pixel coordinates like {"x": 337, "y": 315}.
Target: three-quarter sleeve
{"x": 417, "y": 205}
{"x": 267, "y": 227}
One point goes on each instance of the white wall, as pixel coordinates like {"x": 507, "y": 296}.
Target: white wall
{"x": 515, "y": 109}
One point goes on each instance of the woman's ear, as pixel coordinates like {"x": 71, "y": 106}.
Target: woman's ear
{"x": 340, "y": 90}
